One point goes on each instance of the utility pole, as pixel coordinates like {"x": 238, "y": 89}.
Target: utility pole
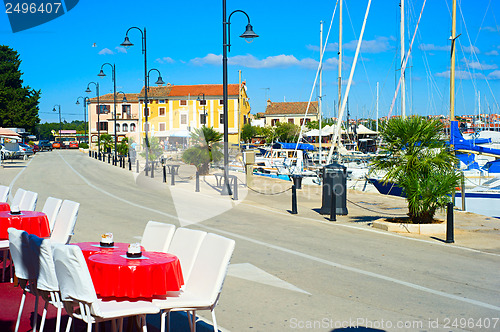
{"x": 320, "y": 87}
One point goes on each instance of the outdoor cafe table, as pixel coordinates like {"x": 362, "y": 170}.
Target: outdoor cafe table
{"x": 92, "y": 248}
{"x": 4, "y": 206}
{"x": 32, "y": 222}
{"x": 115, "y": 275}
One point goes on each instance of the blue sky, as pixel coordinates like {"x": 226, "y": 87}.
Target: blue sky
{"x": 184, "y": 42}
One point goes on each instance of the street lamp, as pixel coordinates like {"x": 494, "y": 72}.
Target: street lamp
{"x": 98, "y": 117}
{"x": 126, "y": 43}
{"x": 249, "y": 34}
{"x": 86, "y": 100}
{"x": 113, "y": 78}
{"x": 54, "y": 110}
{"x": 204, "y": 103}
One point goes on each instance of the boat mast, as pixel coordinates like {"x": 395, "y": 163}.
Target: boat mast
{"x": 376, "y": 117}
{"x": 340, "y": 60}
{"x": 320, "y": 86}
{"x": 452, "y": 68}
{"x": 402, "y": 32}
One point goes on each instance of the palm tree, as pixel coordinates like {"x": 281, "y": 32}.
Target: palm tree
{"x": 416, "y": 157}
{"x": 206, "y": 150}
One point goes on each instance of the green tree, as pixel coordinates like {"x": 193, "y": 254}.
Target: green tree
{"x": 155, "y": 150}
{"x": 248, "y": 132}
{"x": 122, "y": 148}
{"x": 207, "y": 149}
{"x": 324, "y": 122}
{"x": 106, "y": 142}
{"x": 286, "y": 132}
{"x": 18, "y": 104}
{"x": 415, "y": 156}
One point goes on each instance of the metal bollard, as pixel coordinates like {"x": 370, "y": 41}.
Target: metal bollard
{"x": 172, "y": 177}
{"x": 449, "y": 223}
{"x": 294, "y": 200}
{"x": 146, "y": 171}
{"x": 235, "y": 188}
{"x": 129, "y": 164}
{"x": 333, "y": 206}
{"x": 137, "y": 169}
{"x": 90, "y": 153}
{"x": 197, "y": 182}
{"x": 109, "y": 159}
{"x": 164, "y": 174}
{"x": 152, "y": 169}
{"x": 124, "y": 162}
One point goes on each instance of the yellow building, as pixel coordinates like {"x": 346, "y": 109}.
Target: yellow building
{"x": 175, "y": 110}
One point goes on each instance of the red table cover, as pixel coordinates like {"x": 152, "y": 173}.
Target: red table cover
{"x": 92, "y": 248}
{"x": 4, "y": 206}
{"x": 116, "y": 276}
{"x": 30, "y": 221}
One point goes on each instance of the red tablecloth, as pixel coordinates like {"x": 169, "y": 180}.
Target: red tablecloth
{"x": 4, "y": 206}
{"x": 116, "y": 276}
{"x": 92, "y": 248}
{"x": 30, "y": 221}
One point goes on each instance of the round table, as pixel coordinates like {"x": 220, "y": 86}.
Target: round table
{"x": 92, "y": 248}
{"x": 117, "y": 276}
{"x": 32, "y": 222}
{"x": 4, "y": 206}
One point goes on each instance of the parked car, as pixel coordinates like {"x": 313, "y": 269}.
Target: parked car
{"x": 73, "y": 145}
{"x": 56, "y": 145}
{"x": 25, "y": 150}
{"x": 45, "y": 145}
{"x": 35, "y": 148}
{"x": 5, "y": 153}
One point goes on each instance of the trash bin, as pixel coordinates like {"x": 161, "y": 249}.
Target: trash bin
{"x": 334, "y": 178}
{"x": 133, "y": 155}
{"x": 297, "y": 181}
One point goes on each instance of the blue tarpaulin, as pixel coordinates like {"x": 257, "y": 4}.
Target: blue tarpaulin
{"x": 293, "y": 146}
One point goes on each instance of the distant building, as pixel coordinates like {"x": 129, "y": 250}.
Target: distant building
{"x": 291, "y": 112}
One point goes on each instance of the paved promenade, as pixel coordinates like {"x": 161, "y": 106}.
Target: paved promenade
{"x": 291, "y": 271}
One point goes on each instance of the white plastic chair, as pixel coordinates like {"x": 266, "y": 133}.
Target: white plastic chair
{"x": 4, "y": 193}
{"x": 77, "y": 288}
{"x": 4, "y": 249}
{"x": 51, "y": 209}
{"x": 205, "y": 282}
{"x": 46, "y": 282}
{"x": 25, "y": 269}
{"x": 16, "y": 201}
{"x": 28, "y": 203}
{"x": 185, "y": 245}
{"x": 65, "y": 222}
{"x": 157, "y": 236}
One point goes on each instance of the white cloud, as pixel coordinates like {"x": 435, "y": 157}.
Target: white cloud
{"x": 494, "y": 75}
{"x": 492, "y": 29}
{"x": 165, "y": 59}
{"x": 210, "y": 59}
{"x": 469, "y": 49}
{"x": 478, "y": 65}
{"x": 432, "y": 47}
{"x": 494, "y": 52}
{"x": 461, "y": 75}
{"x": 105, "y": 51}
{"x": 121, "y": 49}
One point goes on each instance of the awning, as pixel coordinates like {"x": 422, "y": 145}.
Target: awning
{"x": 7, "y": 133}
{"x": 179, "y": 133}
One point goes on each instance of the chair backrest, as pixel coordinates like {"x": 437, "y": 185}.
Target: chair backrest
{"x": 4, "y": 193}
{"x": 16, "y": 201}
{"x": 65, "y": 222}
{"x": 51, "y": 209}
{"x": 157, "y": 236}
{"x": 21, "y": 254}
{"x": 73, "y": 275}
{"x": 185, "y": 245}
{"x": 42, "y": 251}
{"x": 210, "y": 267}
{"x": 28, "y": 203}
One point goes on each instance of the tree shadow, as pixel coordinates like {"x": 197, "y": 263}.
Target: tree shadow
{"x": 357, "y": 328}
{"x": 364, "y": 218}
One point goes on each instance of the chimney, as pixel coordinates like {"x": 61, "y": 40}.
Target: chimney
{"x": 269, "y": 102}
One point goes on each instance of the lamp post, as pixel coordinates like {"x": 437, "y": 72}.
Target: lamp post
{"x": 249, "y": 34}
{"x": 98, "y": 118}
{"x": 85, "y": 102}
{"x": 126, "y": 43}
{"x": 204, "y": 103}
{"x": 54, "y": 110}
{"x": 113, "y": 78}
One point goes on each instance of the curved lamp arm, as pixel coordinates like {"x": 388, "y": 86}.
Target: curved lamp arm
{"x": 126, "y": 43}
{"x": 248, "y": 34}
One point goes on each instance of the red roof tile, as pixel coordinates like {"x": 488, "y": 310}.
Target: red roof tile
{"x": 189, "y": 90}
{"x": 108, "y": 98}
{"x": 291, "y": 108}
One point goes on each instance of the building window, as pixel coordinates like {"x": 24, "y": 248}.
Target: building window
{"x": 274, "y": 122}
{"x": 145, "y": 126}
{"x": 183, "y": 102}
{"x": 104, "y": 109}
{"x": 103, "y": 126}
{"x": 161, "y": 111}
{"x": 203, "y": 102}
{"x": 221, "y": 101}
{"x": 203, "y": 119}
{"x": 290, "y": 120}
{"x": 161, "y": 101}
{"x": 148, "y": 111}
{"x": 183, "y": 119}
{"x": 117, "y": 127}
{"x": 125, "y": 127}
{"x": 132, "y": 127}
{"x": 126, "y": 113}
{"x": 221, "y": 118}
{"x": 162, "y": 126}
{"x": 308, "y": 120}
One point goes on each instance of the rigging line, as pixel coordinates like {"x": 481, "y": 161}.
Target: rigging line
{"x": 475, "y": 54}
{"x": 317, "y": 73}
{"x": 484, "y": 17}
